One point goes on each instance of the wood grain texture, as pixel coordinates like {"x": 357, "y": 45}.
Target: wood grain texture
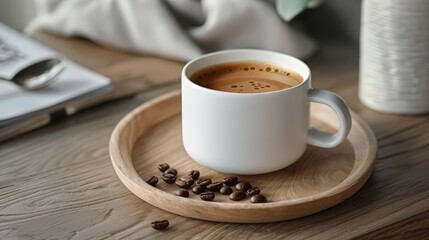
{"x": 320, "y": 179}
{"x": 58, "y": 182}
{"x": 416, "y": 227}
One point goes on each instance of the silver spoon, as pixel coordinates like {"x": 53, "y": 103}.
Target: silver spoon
{"x": 39, "y": 74}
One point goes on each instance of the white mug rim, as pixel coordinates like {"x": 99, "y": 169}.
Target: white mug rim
{"x": 306, "y": 77}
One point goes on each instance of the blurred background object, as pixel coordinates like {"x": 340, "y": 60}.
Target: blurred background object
{"x": 288, "y": 9}
{"x": 334, "y": 20}
{"x": 332, "y": 16}
{"x": 17, "y": 13}
{"x": 168, "y": 29}
{"x": 394, "y": 66}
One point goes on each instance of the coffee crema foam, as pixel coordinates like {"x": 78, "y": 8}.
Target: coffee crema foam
{"x": 246, "y": 77}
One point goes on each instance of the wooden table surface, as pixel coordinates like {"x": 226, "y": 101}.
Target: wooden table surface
{"x": 57, "y": 182}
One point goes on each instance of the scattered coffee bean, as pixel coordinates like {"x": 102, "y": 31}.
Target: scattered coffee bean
{"x": 237, "y": 196}
{"x": 243, "y": 186}
{"x": 194, "y": 174}
{"x": 230, "y": 181}
{"x": 204, "y": 182}
{"x": 152, "y": 180}
{"x": 163, "y": 167}
{"x": 259, "y": 198}
{"x": 214, "y": 187}
{"x": 197, "y": 189}
{"x": 171, "y": 171}
{"x": 253, "y": 191}
{"x": 225, "y": 190}
{"x": 159, "y": 225}
{"x": 185, "y": 182}
{"x": 207, "y": 196}
{"x": 182, "y": 193}
{"x": 169, "y": 178}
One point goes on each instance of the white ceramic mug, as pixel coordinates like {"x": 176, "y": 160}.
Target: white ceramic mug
{"x": 254, "y": 133}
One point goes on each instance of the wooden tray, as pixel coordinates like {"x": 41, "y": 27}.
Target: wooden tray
{"x": 151, "y": 134}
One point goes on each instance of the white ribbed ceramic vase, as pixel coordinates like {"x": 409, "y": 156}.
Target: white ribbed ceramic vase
{"x": 394, "y": 56}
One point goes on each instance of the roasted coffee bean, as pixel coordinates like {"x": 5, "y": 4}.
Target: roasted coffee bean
{"x": 204, "y": 182}
{"x": 214, "y": 187}
{"x": 237, "y": 196}
{"x": 253, "y": 191}
{"x": 225, "y": 190}
{"x": 197, "y": 189}
{"x": 171, "y": 171}
{"x": 163, "y": 167}
{"x": 207, "y": 196}
{"x": 194, "y": 174}
{"x": 169, "y": 178}
{"x": 259, "y": 198}
{"x": 159, "y": 225}
{"x": 243, "y": 186}
{"x": 152, "y": 180}
{"x": 182, "y": 193}
{"x": 230, "y": 181}
{"x": 185, "y": 182}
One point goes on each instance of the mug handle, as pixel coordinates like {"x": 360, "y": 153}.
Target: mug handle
{"x": 323, "y": 139}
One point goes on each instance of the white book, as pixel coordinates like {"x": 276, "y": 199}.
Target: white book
{"x": 17, "y": 105}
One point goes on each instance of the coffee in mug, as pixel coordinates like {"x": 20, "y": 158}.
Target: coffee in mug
{"x": 246, "y": 77}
